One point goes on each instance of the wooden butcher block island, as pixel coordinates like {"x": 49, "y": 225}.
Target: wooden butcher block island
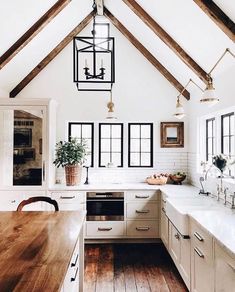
{"x": 41, "y": 251}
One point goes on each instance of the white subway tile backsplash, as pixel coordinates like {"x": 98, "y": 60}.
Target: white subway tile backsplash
{"x": 164, "y": 162}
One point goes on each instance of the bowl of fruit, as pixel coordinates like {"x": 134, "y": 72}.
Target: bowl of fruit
{"x": 157, "y": 179}
{"x": 178, "y": 177}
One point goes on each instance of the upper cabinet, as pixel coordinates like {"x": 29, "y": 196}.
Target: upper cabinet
{"x": 27, "y": 142}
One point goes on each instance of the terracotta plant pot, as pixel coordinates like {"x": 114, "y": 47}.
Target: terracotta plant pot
{"x": 73, "y": 174}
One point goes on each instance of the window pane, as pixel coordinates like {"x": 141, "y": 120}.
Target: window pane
{"x": 135, "y": 145}
{"x": 116, "y": 159}
{"x": 116, "y": 131}
{"x": 116, "y": 145}
{"x": 105, "y": 131}
{"x": 209, "y": 146}
{"x": 210, "y": 159}
{"x": 76, "y": 131}
{"x": 213, "y": 128}
{"x": 145, "y": 145}
{"x": 135, "y": 131}
{"x": 89, "y": 144}
{"x": 232, "y": 125}
{"x": 145, "y": 159}
{"x": 140, "y": 142}
{"x": 135, "y": 159}
{"x": 232, "y": 149}
{"x": 86, "y": 131}
{"x": 105, "y": 159}
{"x": 209, "y": 128}
{"x": 83, "y": 131}
{"x": 88, "y": 160}
{"x": 226, "y": 126}
{"x": 105, "y": 145}
{"x": 226, "y": 145}
{"x": 111, "y": 140}
{"x": 145, "y": 131}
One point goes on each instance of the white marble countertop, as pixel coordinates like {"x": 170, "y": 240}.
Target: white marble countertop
{"x": 220, "y": 223}
{"x": 170, "y": 190}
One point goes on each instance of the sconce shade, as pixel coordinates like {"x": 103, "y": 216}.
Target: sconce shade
{"x": 209, "y": 95}
{"x": 179, "y": 112}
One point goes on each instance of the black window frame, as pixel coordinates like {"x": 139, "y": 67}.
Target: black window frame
{"x": 100, "y": 125}
{"x": 213, "y": 137}
{"x": 151, "y": 145}
{"x": 229, "y": 136}
{"x": 92, "y": 138}
{"x": 222, "y": 132}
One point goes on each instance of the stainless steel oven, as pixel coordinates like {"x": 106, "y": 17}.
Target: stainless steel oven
{"x": 105, "y": 206}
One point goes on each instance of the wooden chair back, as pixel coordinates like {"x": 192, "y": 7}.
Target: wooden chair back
{"x": 38, "y": 199}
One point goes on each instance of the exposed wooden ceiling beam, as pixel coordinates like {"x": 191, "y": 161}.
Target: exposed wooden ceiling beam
{"x": 146, "y": 53}
{"x": 218, "y": 16}
{"x": 167, "y": 39}
{"x": 32, "y": 32}
{"x": 52, "y": 54}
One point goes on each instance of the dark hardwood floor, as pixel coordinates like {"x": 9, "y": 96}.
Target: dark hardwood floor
{"x": 130, "y": 268}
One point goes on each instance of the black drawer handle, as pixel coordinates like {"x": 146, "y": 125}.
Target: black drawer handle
{"x": 200, "y": 254}
{"x": 75, "y": 276}
{"x": 104, "y": 229}
{"x": 142, "y": 211}
{"x": 163, "y": 210}
{"x": 74, "y": 264}
{"x": 141, "y": 197}
{"x": 198, "y": 236}
{"x": 65, "y": 197}
{"x": 142, "y": 228}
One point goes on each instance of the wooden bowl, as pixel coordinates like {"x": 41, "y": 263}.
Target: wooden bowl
{"x": 177, "y": 180}
{"x": 157, "y": 181}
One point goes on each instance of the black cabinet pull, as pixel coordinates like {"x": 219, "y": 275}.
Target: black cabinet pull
{"x": 74, "y": 264}
{"x": 75, "y": 276}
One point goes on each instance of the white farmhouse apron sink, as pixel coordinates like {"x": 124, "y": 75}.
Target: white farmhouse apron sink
{"x": 177, "y": 210}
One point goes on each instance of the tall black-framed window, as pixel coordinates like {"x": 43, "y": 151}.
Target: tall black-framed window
{"x": 227, "y": 137}
{"x": 110, "y": 144}
{"x": 210, "y": 139}
{"x": 83, "y": 130}
{"x": 140, "y": 145}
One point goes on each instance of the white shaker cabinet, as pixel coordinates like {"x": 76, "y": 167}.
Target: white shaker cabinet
{"x": 179, "y": 249}
{"x": 69, "y": 200}
{"x": 202, "y": 264}
{"x": 164, "y": 226}
{"x": 224, "y": 270}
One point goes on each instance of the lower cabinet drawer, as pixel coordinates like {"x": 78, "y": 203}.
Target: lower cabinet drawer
{"x": 105, "y": 229}
{"x": 142, "y": 210}
{"x": 143, "y": 229}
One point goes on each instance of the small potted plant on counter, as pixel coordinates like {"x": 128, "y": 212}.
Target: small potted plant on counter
{"x": 71, "y": 155}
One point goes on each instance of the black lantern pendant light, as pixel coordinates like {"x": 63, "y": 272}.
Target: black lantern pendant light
{"x": 94, "y": 59}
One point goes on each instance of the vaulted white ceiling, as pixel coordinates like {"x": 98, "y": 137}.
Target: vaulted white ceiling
{"x": 194, "y": 31}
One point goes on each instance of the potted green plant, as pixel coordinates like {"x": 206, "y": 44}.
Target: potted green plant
{"x": 71, "y": 155}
